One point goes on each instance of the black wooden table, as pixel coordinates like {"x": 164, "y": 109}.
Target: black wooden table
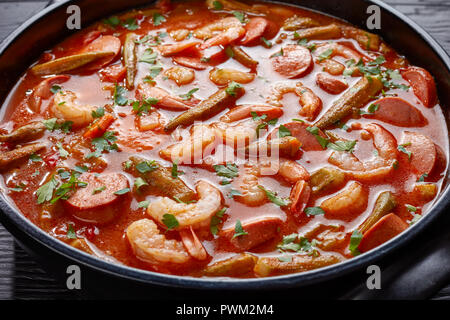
{"x": 22, "y": 278}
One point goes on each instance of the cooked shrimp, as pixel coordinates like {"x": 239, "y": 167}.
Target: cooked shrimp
{"x": 195, "y": 215}
{"x": 248, "y": 181}
{"x": 352, "y": 200}
{"x": 222, "y": 77}
{"x": 201, "y": 143}
{"x": 65, "y": 107}
{"x": 299, "y": 197}
{"x": 149, "y": 245}
{"x": 238, "y": 135}
{"x": 377, "y": 167}
{"x": 310, "y": 102}
{"x": 337, "y": 49}
{"x": 42, "y": 91}
{"x": 192, "y": 244}
{"x": 245, "y": 111}
{"x": 165, "y": 99}
{"x": 180, "y": 75}
{"x": 249, "y": 174}
{"x": 221, "y": 32}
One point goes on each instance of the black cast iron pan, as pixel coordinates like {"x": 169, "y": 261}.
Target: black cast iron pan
{"x": 48, "y": 27}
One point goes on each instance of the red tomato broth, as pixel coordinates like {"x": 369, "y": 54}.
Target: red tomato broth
{"x": 110, "y": 238}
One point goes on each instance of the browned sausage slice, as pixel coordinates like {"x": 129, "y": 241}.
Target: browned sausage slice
{"x": 398, "y": 112}
{"x": 423, "y": 151}
{"x": 97, "y": 202}
{"x": 107, "y": 44}
{"x": 385, "y": 229}
{"x": 307, "y": 139}
{"x": 330, "y": 84}
{"x": 258, "y": 232}
{"x": 294, "y": 62}
{"x": 423, "y": 85}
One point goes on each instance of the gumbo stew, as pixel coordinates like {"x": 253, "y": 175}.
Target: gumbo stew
{"x": 223, "y": 139}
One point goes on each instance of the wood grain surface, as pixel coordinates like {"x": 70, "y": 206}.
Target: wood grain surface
{"x": 20, "y": 275}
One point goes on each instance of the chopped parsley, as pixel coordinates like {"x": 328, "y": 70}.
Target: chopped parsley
{"x": 232, "y": 87}
{"x": 233, "y": 193}
{"x": 99, "y": 189}
{"x": 170, "y": 221}
{"x": 158, "y": 18}
{"x": 274, "y": 198}
{"x": 55, "y": 88}
{"x": 122, "y": 191}
{"x": 100, "y": 112}
{"x": 35, "y": 158}
{"x": 149, "y": 56}
{"x": 238, "y": 230}
{"x": 277, "y": 54}
{"x": 71, "y": 234}
{"x": 146, "y": 166}
{"x": 217, "y": 5}
{"x": 143, "y": 204}
{"x": 45, "y": 192}
{"x": 284, "y": 132}
{"x": 216, "y": 220}
{"x": 130, "y": 24}
{"x": 119, "y": 95}
{"x": 325, "y": 55}
{"x": 315, "y": 132}
{"x": 52, "y": 124}
{"x": 104, "y": 143}
{"x": 355, "y": 240}
{"x": 175, "y": 171}
{"x": 342, "y": 145}
{"x": 144, "y": 106}
{"x": 63, "y": 153}
{"x": 410, "y": 208}
{"x": 113, "y": 21}
{"x": 402, "y": 148}
{"x": 188, "y": 96}
{"x": 240, "y": 16}
{"x": 422, "y": 177}
{"x": 266, "y": 42}
{"x": 314, "y": 211}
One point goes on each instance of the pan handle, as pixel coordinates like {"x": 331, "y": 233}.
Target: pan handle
{"x": 418, "y": 273}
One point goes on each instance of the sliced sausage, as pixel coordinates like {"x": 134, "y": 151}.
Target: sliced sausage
{"x": 423, "y": 151}
{"x": 330, "y": 84}
{"x": 106, "y": 44}
{"x": 398, "y": 112}
{"x": 307, "y": 139}
{"x": 97, "y": 202}
{"x": 258, "y": 232}
{"x": 295, "y": 61}
{"x": 257, "y": 28}
{"x": 385, "y": 229}
{"x": 423, "y": 85}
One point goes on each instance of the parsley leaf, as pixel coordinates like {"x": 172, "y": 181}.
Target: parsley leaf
{"x": 216, "y": 220}
{"x": 175, "y": 172}
{"x": 274, "y": 198}
{"x": 342, "y": 145}
{"x": 119, "y": 95}
{"x": 188, "y": 96}
{"x": 283, "y": 132}
{"x": 113, "y": 21}
{"x": 230, "y": 170}
{"x": 45, "y": 192}
{"x": 217, "y": 5}
{"x": 130, "y": 24}
{"x": 238, "y": 230}
{"x": 355, "y": 239}
{"x": 149, "y": 56}
{"x": 402, "y": 148}
{"x": 122, "y": 191}
{"x": 232, "y": 87}
{"x": 314, "y": 211}
{"x": 240, "y": 16}
{"x": 315, "y": 132}
{"x": 143, "y": 204}
{"x": 170, "y": 221}
{"x": 422, "y": 177}
{"x": 146, "y": 166}
{"x": 71, "y": 234}
{"x": 158, "y": 18}
{"x": 325, "y": 55}
{"x": 100, "y": 112}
